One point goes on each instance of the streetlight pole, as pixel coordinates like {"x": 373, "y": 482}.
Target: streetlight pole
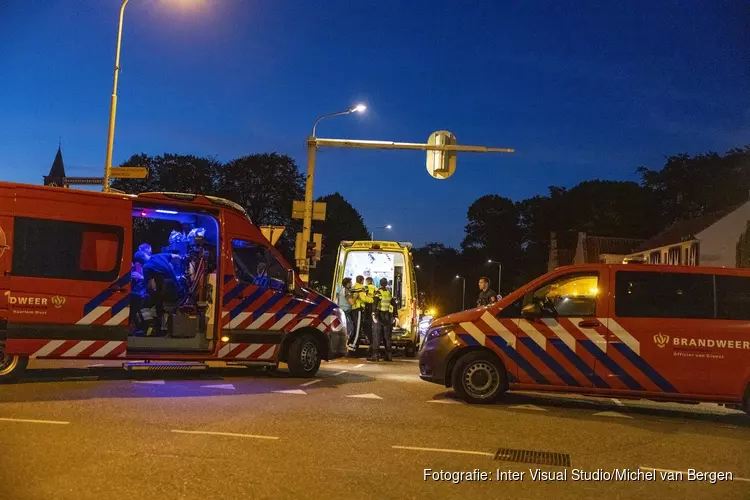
{"x": 113, "y": 102}
{"x": 499, "y": 273}
{"x": 463, "y": 296}
{"x": 312, "y": 148}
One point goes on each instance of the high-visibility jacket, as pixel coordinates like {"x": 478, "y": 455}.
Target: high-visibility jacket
{"x": 385, "y": 300}
{"x": 360, "y": 296}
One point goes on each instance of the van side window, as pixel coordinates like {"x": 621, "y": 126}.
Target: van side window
{"x": 254, "y": 263}
{"x": 572, "y": 295}
{"x": 48, "y": 248}
{"x": 663, "y": 295}
{"x": 733, "y": 297}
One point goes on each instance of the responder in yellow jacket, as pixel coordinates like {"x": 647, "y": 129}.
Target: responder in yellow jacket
{"x": 359, "y": 293}
{"x": 383, "y": 327}
{"x": 368, "y": 317}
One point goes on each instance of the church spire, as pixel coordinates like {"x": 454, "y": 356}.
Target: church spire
{"x": 56, "y": 175}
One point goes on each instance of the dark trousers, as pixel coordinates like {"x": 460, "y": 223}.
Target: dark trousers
{"x": 358, "y": 316}
{"x": 382, "y": 332}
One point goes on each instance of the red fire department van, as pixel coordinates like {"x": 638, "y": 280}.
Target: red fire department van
{"x": 639, "y": 331}
{"x": 72, "y": 289}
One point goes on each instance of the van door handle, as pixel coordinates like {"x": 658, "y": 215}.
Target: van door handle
{"x": 591, "y": 323}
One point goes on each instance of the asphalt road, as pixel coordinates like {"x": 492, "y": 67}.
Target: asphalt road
{"x": 360, "y": 430}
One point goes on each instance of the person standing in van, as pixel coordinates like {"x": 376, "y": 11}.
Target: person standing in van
{"x": 345, "y": 300}
{"x": 361, "y": 299}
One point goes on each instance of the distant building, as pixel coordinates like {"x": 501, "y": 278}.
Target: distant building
{"x": 568, "y": 248}
{"x": 720, "y": 239}
{"x": 56, "y": 175}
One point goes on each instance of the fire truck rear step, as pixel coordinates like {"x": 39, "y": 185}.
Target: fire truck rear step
{"x": 165, "y": 366}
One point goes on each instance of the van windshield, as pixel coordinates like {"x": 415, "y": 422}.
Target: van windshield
{"x": 378, "y": 265}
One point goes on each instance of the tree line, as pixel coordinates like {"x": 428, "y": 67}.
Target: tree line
{"x": 513, "y": 233}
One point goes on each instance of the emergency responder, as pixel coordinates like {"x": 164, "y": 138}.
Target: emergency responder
{"x": 384, "y": 322}
{"x": 369, "y": 315}
{"x": 345, "y": 301}
{"x": 486, "y": 295}
{"x": 359, "y": 294}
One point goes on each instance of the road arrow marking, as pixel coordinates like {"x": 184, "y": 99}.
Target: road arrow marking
{"x": 527, "y": 407}
{"x": 365, "y": 396}
{"x": 152, "y": 382}
{"x": 611, "y": 414}
{"x": 292, "y": 391}
{"x": 228, "y": 387}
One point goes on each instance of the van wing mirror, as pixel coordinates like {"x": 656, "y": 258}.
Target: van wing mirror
{"x": 291, "y": 281}
{"x": 532, "y": 311}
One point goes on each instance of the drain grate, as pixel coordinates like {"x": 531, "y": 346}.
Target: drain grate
{"x": 533, "y": 457}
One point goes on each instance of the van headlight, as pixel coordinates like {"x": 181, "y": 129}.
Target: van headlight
{"x": 440, "y": 331}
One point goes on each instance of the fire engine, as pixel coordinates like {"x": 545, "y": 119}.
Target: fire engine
{"x": 155, "y": 277}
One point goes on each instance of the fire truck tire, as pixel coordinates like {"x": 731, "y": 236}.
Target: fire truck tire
{"x": 12, "y": 367}
{"x": 410, "y": 350}
{"x": 479, "y": 377}
{"x": 746, "y": 400}
{"x": 304, "y": 357}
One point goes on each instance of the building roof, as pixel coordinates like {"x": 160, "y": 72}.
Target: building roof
{"x": 684, "y": 230}
{"x": 598, "y": 245}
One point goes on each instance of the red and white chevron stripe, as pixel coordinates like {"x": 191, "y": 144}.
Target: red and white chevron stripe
{"x": 80, "y": 349}
{"x": 248, "y": 352}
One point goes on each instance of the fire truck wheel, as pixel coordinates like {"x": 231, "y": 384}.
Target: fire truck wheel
{"x": 746, "y": 400}
{"x": 304, "y": 357}
{"x": 479, "y": 378}
{"x": 411, "y": 350}
{"x": 12, "y": 367}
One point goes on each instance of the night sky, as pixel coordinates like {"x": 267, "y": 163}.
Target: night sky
{"x": 584, "y": 93}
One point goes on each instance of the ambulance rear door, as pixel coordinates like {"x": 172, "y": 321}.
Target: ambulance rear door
{"x": 7, "y": 195}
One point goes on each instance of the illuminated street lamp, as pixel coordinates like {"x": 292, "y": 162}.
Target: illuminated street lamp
{"x": 463, "y": 295}
{"x": 359, "y": 108}
{"x": 113, "y": 102}
{"x": 372, "y": 233}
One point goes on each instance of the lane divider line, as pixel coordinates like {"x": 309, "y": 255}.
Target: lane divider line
{"x": 685, "y": 472}
{"x": 227, "y": 434}
{"x": 30, "y": 421}
{"x": 617, "y": 402}
{"x": 444, "y": 450}
{"x": 359, "y": 366}
{"x": 306, "y": 384}
{"x": 339, "y": 373}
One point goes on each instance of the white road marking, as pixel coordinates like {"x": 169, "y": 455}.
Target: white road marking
{"x": 365, "y": 396}
{"x": 228, "y": 387}
{"x": 359, "y": 366}
{"x": 30, "y": 421}
{"x": 229, "y": 434}
{"x": 306, "y": 384}
{"x": 618, "y": 402}
{"x": 444, "y": 450}
{"x": 685, "y": 472}
{"x": 85, "y": 377}
{"x": 339, "y": 373}
{"x": 292, "y": 391}
{"x": 611, "y": 414}
{"x": 152, "y": 382}
{"x": 527, "y": 407}
{"x": 445, "y": 401}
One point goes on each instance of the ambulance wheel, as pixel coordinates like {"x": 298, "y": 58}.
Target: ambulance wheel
{"x": 12, "y": 367}
{"x": 410, "y": 350}
{"x": 479, "y": 378}
{"x": 304, "y": 357}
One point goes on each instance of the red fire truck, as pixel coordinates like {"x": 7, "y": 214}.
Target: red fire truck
{"x": 204, "y": 284}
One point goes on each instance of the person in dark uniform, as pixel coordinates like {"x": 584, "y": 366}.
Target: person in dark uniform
{"x": 162, "y": 284}
{"x": 383, "y": 328}
{"x": 486, "y": 295}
